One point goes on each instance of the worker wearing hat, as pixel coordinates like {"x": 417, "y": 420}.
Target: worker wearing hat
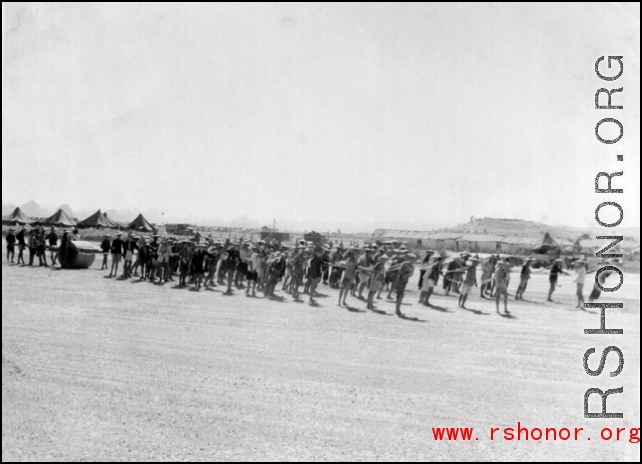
{"x": 52, "y": 240}
{"x": 555, "y": 271}
{"x": 433, "y": 271}
{"x": 502, "y": 279}
{"x": 105, "y": 247}
{"x": 470, "y": 281}
{"x": 232, "y": 262}
{"x": 581, "y": 268}
{"x": 365, "y": 262}
{"x": 297, "y": 261}
{"x": 211, "y": 263}
{"x": 315, "y": 274}
{"x": 129, "y": 248}
{"x": 116, "y": 251}
{"x": 377, "y": 278}
{"x": 41, "y": 247}
{"x": 11, "y": 245}
{"x": 152, "y": 260}
{"x": 349, "y": 275}
{"x": 32, "y": 243}
{"x": 524, "y": 277}
{"x": 403, "y": 276}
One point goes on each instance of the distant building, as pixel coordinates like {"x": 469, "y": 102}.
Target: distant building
{"x": 180, "y": 229}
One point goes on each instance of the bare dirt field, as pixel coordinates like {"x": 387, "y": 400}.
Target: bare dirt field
{"x": 102, "y": 369}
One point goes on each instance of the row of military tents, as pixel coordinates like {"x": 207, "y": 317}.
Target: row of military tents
{"x": 544, "y": 245}
{"x": 60, "y": 218}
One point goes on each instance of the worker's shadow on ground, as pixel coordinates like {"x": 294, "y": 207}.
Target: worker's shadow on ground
{"x": 439, "y": 308}
{"x": 411, "y": 319}
{"x": 531, "y": 301}
{"x": 507, "y": 316}
{"x": 212, "y": 289}
{"x": 352, "y": 309}
{"x": 378, "y": 311}
{"x": 476, "y": 311}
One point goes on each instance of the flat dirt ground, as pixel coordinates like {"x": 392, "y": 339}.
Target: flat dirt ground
{"x": 101, "y": 369}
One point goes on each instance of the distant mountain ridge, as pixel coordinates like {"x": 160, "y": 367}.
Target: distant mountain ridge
{"x": 518, "y": 227}
{"x": 492, "y": 226}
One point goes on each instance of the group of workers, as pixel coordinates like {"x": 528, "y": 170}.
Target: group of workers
{"x": 363, "y": 272}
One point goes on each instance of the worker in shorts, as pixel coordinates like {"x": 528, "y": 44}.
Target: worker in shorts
{"x": 242, "y": 266}
{"x": 298, "y": 270}
{"x": 164, "y": 255}
{"x": 470, "y": 281}
{"x": 524, "y": 277}
{"x": 11, "y": 246}
{"x": 555, "y": 271}
{"x": 141, "y": 255}
{"x": 488, "y": 268}
{"x": 393, "y": 269}
{"x": 252, "y": 273}
{"x": 275, "y": 271}
{"x": 581, "y": 268}
{"x": 315, "y": 273}
{"x": 502, "y": 279}
{"x": 32, "y": 243}
{"x": 129, "y": 247}
{"x": 377, "y": 278}
{"x": 105, "y": 247}
{"x": 349, "y": 276}
{"x": 116, "y": 251}
{"x": 212, "y": 264}
{"x": 41, "y": 247}
{"x": 431, "y": 279}
{"x": 52, "y": 240}
{"x": 403, "y": 276}
{"x": 22, "y": 244}
{"x": 152, "y": 258}
{"x": 198, "y": 264}
{"x": 184, "y": 262}
{"x": 232, "y": 263}
{"x": 365, "y": 262}
{"x": 423, "y": 268}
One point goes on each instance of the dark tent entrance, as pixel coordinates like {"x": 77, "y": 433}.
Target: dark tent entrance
{"x": 141, "y": 224}
{"x": 98, "y": 220}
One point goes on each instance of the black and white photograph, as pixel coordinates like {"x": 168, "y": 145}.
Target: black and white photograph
{"x": 309, "y": 232}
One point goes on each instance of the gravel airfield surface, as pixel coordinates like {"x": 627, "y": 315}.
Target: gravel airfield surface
{"x": 103, "y": 369}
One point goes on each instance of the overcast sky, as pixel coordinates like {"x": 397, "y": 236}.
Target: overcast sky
{"x": 350, "y": 113}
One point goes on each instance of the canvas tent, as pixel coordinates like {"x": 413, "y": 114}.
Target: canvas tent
{"x": 528, "y": 245}
{"x": 98, "y": 220}
{"x": 59, "y": 219}
{"x": 115, "y": 225}
{"x": 17, "y": 217}
{"x": 141, "y": 224}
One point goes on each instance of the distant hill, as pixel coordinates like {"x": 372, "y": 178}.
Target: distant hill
{"x": 67, "y": 209}
{"x": 518, "y": 227}
{"x": 34, "y": 210}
